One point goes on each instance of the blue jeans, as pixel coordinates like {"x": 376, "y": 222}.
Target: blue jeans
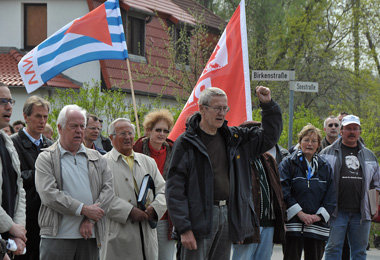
{"x": 357, "y": 232}
{"x": 262, "y": 250}
{"x": 166, "y": 247}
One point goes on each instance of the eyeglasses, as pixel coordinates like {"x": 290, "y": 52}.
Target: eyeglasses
{"x": 4, "y": 101}
{"x": 124, "y": 134}
{"x": 219, "y": 109}
{"x": 159, "y": 130}
{"x": 94, "y": 128}
{"x": 331, "y": 125}
{"x": 309, "y": 141}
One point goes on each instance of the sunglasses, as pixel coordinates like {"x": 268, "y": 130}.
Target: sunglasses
{"x": 331, "y": 125}
{"x": 159, "y": 130}
{"x": 4, "y": 101}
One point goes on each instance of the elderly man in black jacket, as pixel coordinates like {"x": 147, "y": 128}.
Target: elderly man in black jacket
{"x": 209, "y": 194}
{"x": 28, "y": 142}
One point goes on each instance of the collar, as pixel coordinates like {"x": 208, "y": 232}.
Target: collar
{"x": 63, "y": 151}
{"x": 132, "y": 155}
{"x": 35, "y": 141}
{"x": 115, "y": 155}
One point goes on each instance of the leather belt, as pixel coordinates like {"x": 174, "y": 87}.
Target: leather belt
{"x": 220, "y": 203}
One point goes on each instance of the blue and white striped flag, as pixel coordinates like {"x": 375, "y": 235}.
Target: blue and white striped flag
{"x": 98, "y": 35}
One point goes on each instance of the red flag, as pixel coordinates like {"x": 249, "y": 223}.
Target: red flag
{"x": 228, "y": 70}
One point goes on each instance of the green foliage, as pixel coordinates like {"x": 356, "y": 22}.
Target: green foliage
{"x": 302, "y": 116}
{"x": 108, "y": 105}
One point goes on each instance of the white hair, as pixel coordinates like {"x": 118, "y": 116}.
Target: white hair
{"x": 62, "y": 117}
{"x": 330, "y": 117}
{"x": 111, "y": 127}
{"x": 208, "y": 93}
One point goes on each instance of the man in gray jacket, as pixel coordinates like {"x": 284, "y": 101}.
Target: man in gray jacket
{"x": 12, "y": 194}
{"x": 75, "y": 186}
{"x": 356, "y": 170}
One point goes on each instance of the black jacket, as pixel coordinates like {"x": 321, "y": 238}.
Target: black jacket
{"x": 189, "y": 187}
{"x": 316, "y": 196}
{"x": 28, "y": 153}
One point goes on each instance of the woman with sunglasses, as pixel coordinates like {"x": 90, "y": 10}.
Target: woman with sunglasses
{"x": 157, "y": 125}
{"x": 309, "y": 195}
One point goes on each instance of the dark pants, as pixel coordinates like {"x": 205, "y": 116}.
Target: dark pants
{"x": 68, "y": 249}
{"x": 33, "y": 242}
{"x": 313, "y": 248}
{"x": 218, "y": 246}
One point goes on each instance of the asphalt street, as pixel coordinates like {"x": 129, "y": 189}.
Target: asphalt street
{"x": 372, "y": 254}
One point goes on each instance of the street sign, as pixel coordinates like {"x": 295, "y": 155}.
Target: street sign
{"x": 273, "y": 75}
{"x": 302, "y": 86}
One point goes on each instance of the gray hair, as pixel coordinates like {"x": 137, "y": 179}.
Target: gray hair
{"x": 330, "y": 117}
{"x": 208, "y": 93}
{"x": 34, "y": 101}
{"x": 111, "y": 127}
{"x": 62, "y": 117}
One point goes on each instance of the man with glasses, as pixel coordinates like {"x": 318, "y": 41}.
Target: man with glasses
{"x": 331, "y": 127}
{"x": 209, "y": 183}
{"x": 130, "y": 235}
{"x": 28, "y": 142}
{"x": 75, "y": 187}
{"x": 91, "y": 133}
{"x": 356, "y": 170}
{"x": 12, "y": 194}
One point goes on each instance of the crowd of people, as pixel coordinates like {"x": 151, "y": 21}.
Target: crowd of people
{"x": 215, "y": 190}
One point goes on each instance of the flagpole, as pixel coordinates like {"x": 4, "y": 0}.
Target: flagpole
{"x": 133, "y": 98}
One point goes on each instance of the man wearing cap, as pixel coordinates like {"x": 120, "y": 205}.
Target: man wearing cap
{"x": 356, "y": 170}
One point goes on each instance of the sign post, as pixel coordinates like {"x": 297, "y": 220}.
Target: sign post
{"x": 299, "y": 86}
{"x": 279, "y": 75}
{"x": 286, "y": 75}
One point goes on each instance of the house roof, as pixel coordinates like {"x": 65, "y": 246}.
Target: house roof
{"x": 114, "y": 72}
{"x": 9, "y": 75}
{"x": 176, "y": 10}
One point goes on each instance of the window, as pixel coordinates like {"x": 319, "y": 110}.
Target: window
{"x": 181, "y": 39}
{"x": 35, "y": 25}
{"x": 134, "y": 33}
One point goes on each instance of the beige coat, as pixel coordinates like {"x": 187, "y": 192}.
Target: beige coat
{"x": 6, "y": 221}
{"x": 123, "y": 239}
{"x": 55, "y": 202}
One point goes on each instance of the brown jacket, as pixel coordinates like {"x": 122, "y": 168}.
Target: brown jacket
{"x": 270, "y": 166}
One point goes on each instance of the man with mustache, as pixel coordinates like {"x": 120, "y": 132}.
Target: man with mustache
{"x": 331, "y": 127}
{"x": 356, "y": 170}
{"x": 75, "y": 187}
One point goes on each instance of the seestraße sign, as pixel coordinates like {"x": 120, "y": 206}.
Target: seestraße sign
{"x": 302, "y": 86}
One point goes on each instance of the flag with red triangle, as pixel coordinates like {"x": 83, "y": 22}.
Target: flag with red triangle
{"x": 98, "y": 35}
{"x": 227, "y": 69}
